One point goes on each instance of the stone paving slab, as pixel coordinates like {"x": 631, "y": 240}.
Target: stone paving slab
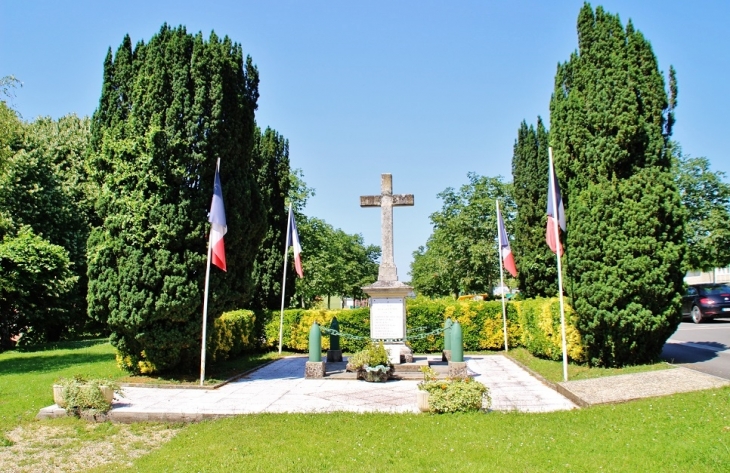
{"x": 627, "y": 387}
{"x": 281, "y": 387}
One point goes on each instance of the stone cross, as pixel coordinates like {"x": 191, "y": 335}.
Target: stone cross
{"x": 386, "y": 201}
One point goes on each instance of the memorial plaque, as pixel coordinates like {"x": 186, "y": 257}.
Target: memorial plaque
{"x": 386, "y": 318}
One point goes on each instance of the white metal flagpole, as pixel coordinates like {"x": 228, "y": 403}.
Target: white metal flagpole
{"x": 205, "y": 297}
{"x": 553, "y": 189}
{"x": 205, "y": 316}
{"x": 283, "y": 282}
{"x": 501, "y": 278}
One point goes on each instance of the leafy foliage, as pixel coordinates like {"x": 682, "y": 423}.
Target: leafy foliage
{"x": 456, "y": 395}
{"x": 706, "y": 201}
{"x": 35, "y": 276}
{"x": 533, "y": 324}
{"x": 82, "y": 396}
{"x": 625, "y": 241}
{"x": 168, "y": 110}
{"x": 44, "y": 187}
{"x": 537, "y": 271}
{"x": 334, "y": 262}
{"x": 233, "y": 333}
{"x": 461, "y": 255}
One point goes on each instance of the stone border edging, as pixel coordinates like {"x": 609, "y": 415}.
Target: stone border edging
{"x": 560, "y": 389}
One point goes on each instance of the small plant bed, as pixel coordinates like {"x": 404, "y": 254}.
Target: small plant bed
{"x": 91, "y": 397}
{"x": 371, "y": 364}
{"x": 553, "y": 370}
{"x": 457, "y": 394}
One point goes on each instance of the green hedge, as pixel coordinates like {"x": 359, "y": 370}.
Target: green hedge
{"x": 533, "y": 324}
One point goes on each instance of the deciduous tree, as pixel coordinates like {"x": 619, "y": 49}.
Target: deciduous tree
{"x": 706, "y": 201}
{"x": 461, "y": 255}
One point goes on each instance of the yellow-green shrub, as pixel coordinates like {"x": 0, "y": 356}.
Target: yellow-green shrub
{"x": 233, "y": 333}
{"x": 541, "y": 336}
{"x": 533, "y": 324}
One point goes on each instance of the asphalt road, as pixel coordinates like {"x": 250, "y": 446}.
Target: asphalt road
{"x": 703, "y": 347}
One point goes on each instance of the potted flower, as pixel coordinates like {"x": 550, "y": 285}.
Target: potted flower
{"x": 371, "y": 364}
{"x": 79, "y": 394}
{"x": 458, "y": 394}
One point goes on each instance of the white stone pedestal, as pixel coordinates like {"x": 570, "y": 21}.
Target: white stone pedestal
{"x": 388, "y": 318}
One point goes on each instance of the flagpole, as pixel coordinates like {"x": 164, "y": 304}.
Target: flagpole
{"x": 205, "y": 299}
{"x": 283, "y": 282}
{"x": 558, "y": 252}
{"x": 501, "y": 277}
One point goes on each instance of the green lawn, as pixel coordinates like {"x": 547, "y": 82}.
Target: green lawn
{"x": 684, "y": 432}
{"x": 26, "y": 378}
{"x": 688, "y": 432}
{"x": 553, "y": 370}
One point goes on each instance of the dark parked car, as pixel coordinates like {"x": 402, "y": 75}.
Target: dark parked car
{"x": 706, "y": 301}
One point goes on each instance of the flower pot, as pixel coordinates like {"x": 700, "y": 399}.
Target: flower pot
{"x": 58, "y": 395}
{"x": 375, "y": 376}
{"x": 422, "y": 400}
{"x": 107, "y": 392}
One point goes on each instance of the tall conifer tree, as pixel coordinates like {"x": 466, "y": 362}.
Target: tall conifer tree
{"x": 168, "y": 110}
{"x": 272, "y": 155}
{"x": 537, "y": 274}
{"x": 610, "y": 125}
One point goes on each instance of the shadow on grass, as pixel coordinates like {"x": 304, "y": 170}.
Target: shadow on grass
{"x": 42, "y": 362}
{"x": 65, "y": 345}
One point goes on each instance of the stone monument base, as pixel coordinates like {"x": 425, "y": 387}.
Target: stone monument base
{"x": 398, "y": 352}
{"x": 457, "y": 369}
{"x": 314, "y": 369}
{"x": 334, "y": 356}
{"x": 446, "y": 355}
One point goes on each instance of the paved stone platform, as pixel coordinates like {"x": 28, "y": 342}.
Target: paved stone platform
{"x": 280, "y": 387}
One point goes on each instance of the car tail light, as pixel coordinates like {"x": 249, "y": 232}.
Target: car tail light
{"x": 706, "y": 301}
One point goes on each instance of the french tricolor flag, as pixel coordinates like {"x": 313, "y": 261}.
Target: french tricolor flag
{"x": 217, "y": 218}
{"x": 555, "y": 210}
{"x": 294, "y": 242}
{"x": 505, "y": 250}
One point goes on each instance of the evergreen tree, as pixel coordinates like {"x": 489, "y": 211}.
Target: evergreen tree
{"x": 272, "y": 154}
{"x": 169, "y": 109}
{"x": 537, "y": 273}
{"x": 610, "y": 126}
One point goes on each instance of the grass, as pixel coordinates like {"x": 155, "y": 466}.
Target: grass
{"x": 553, "y": 370}
{"x": 683, "y": 432}
{"x": 26, "y": 377}
{"x": 686, "y": 432}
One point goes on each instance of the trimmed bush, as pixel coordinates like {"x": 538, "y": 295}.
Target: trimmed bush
{"x": 533, "y": 324}
{"x": 233, "y": 334}
{"x": 539, "y": 320}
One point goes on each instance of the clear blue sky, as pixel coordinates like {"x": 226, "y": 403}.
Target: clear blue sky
{"x": 425, "y": 90}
